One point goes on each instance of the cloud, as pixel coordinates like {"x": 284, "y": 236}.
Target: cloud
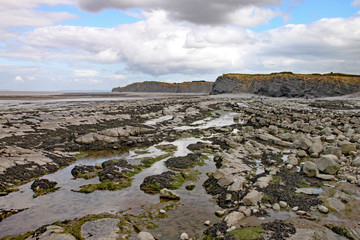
{"x": 356, "y": 3}
{"x": 24, "y": 14}
{"x": 18, "y": 78}
{"x": 158, "y": 46}
{"x": 196, "y": 11}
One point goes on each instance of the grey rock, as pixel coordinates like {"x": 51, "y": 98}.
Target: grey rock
{"x": 356, "y": 162}
{"x": 328, "y": 164}
{"x": 283, "y": 204}
{"x": 323, "y": 209}
{"x": 276, "y": 206}
{"x": 347, "y": 147}
{"x": 234, "y": 218}
{"x": 310, "y": 169}
{"x": 273, "y": 130}
{"x": 53, "y": 233}
{"x": 336, "y": 204}
{"x": 145, "y": 236}
{"x": 106, "y": 228}
{"x": 169, "y": 194}
{"x": 334, "y": 151}
{"x": 253, "y": 198}
{"x": 184, "y": 236}
{"x": 316, "y": 148}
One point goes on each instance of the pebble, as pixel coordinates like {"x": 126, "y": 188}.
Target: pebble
{"x": 283, "y": 204}
{"x": 162, "y": 211}
{"x": 323, "y": 209}
{"x": 231, "y": 229}
{"x": 276, "y": 207}
{"x": 220, "y": 213}
{"x": 300, "y": 212}
{"x": 184, "y": 236}
{"x": 295, "y": 208}
{"x": 207, "y": 223}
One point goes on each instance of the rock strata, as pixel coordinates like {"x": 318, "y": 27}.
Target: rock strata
{"x": 288, "y": 84}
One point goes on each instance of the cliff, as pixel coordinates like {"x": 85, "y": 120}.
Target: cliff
{"x": 287, "y": 84}
{"x": 185, "y": 87}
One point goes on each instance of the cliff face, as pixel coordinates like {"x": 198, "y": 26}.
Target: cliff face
{"x": 186, "y": 87}
{"x": 288, "y": 84}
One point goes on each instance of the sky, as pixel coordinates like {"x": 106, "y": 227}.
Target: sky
{"x": 92, "y": 45}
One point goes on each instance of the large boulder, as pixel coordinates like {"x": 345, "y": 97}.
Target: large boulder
{"x": 328, "y": 164}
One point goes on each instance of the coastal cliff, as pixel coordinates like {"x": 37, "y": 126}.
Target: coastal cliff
{"x": 185, "y": 87}
{"x": 287, "y": 84}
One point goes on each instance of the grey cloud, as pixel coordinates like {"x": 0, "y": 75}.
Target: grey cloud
{"x": 195, "y": 11}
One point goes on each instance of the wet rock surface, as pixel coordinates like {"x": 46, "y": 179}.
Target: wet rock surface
{"x": 293, "y": 160}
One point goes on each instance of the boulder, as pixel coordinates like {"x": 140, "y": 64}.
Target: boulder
{"x": 273, "y": 130}
{"x": 316, "y": 148}
{"x": 310, "y": 169}
{"x": 234, "y": 218}
{"x": 145, "y": 236}
{"x": 253, "y": 198}
{"x": 169, "y": 194}
{"x": 327, "y": 164}
{"x": 304, "y": 144}
{"x": 42, "y": 184}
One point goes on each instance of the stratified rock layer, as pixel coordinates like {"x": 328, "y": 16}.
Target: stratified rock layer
{"x": 185, "y": 87}
{"x": 287, "y": 84}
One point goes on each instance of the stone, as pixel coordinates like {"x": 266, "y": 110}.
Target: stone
{"x": 106, "y": 228}
{"x": 336, "y": 204}
{"x": 347, "y": 147}
{"x": 184, "y": 236}
{"x": 330, "y": 138}
{"x": 350, "y": 178}
{"x": 273, "y": 130}
{"x": 220, "y": 213}
{"x": 162, "y": 211}
{"x": 334, "y": 151}
{"x": 356, "y": 162}
{"x": 263, "y": 182}
{"x": 327, "y": 164}
{"x": 326, "y": 177}
{"x": 276, "y": 206}
{"x": 316, "y": 148}
{"x": 295, "y": 208}
{"x": 310, "y": 169}
{"x": 292, "y": 160}
{"x": 283, "y": 204}
{"x": 86, "y": 139}
{"x": 253, "y": 198}
{"x": 304, "y": 144}
{"x": 52, "y": 232}
{"x": 300, "y": 212}
{"x": 234, "y": 218}
{"x": 326, "y": 131}
{"x": 98, "y": 166}
{"x": 323, "y": 209}
{"x": 232, "y": 228}
{"x": 145, "y": 236}
{"x": 169, "y": 194}
{"x": 308, "y": 191}
{"x": 247, "y": 212}
{"x": 207, "y": 223}
{"x": 301, "y": 153}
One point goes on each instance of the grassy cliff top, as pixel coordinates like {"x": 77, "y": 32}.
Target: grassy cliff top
{"x": 328, "y": 77}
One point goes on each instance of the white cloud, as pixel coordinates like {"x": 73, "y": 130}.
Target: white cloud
{"x": 19, "y": 79}
{"x": 85, "y": 73}
{"x": 195, "y": 11}
{"x": 356, "y": 3}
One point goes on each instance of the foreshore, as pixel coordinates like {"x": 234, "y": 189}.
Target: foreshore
{"x": 279, "y": 168}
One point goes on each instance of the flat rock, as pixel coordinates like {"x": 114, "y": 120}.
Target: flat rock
{"x": 106, "y": 228}
{"x": 336, "y": 204}
{"x": 52, "y": 233}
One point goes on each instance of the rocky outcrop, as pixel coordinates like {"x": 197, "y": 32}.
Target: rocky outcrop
{"x": 185, "y": 87}
{"x": 287, "y": 84}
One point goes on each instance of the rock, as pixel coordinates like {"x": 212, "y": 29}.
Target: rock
{"x": 283, "y": 204}
{"x": 145, "y": 236}
{"x": 220, "y": 213}
{"x": 183, "y": 162}
{"x": 326, "y": 131}
{"x": 232, "y": 228}
{"x": 153, "y": 184}
{"x": 326, "y": 177}
{"x": 162, "y": 211}
{"x": 336, "y": 204}
{"x": 292, "y": 160}
{"x": 234, "y": 218}
{"x": 295, "y": 208}
{"x": 106, "y": 228}
{"x": 263, "y": 182}
{"x": 350, "y": 178}
{"x": 330, "y": 138}
{"x": 323, "y": 209}
{"x": 304, "y": 144}
{"x": 184, "y": 236}
{"x": 52, "y": 232}
{"x": 42, "y": 184}
{"x": 333, "y": 150}
{"x": 190, "y": 186}
{"x": 276, "y": 206}
{"x": 328, "y": 164}
{"x": 273, "y": 130}
{"x": 253, "y": 198}
{"x": 300, "y": 212}
{"x": 86, "y": 139}
{"x": 169, "y": 194}
{"x": 207, "y": 223}
{"x": 308, "y": 191}
{"x": 98, "y": 166}
{"x": 301, "y": 153}
{"x": 347, "y": 147}
{"x": 82, "y": 169}
{"x": 356, "y": 162}
{"x": 310, "y": 169}
{"x": 316, "y": 148}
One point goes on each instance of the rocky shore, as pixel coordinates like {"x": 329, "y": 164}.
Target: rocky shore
{"x": 285, "y": 169}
